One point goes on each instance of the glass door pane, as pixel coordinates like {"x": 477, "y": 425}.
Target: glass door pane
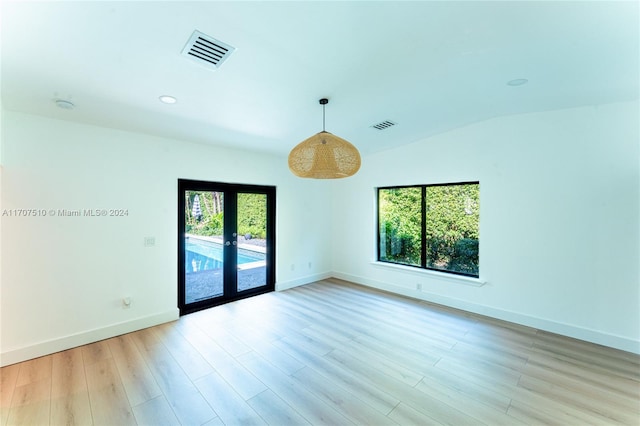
{"x": 203, "y": 245}
{"x": 252, "y": 241}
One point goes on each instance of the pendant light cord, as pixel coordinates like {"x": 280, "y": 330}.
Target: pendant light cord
{"x": 323, "y": 102}
{"x": 323, "y": 105}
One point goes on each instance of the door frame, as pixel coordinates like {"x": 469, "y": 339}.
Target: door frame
{"x": 230, "y": 272}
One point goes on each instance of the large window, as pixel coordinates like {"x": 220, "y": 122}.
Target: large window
{"x": 431, "y": 226}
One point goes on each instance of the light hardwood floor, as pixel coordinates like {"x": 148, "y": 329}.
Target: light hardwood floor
{"x": 327, "y": 353}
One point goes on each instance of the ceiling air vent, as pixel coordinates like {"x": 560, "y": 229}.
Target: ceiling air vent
{"x": 207, "y": 51}
{"x": 384, "y": 125}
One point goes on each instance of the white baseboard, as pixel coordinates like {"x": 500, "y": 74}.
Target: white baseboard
{"x": 63, "y": 343}
{"x": 594, "y": 336}
{"x": 285, "y": 285}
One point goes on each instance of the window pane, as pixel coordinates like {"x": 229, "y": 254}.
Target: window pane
{"x": 203, "y": 250}
{"x": 452, "y": 228}
{"x": 400, "y": 221}
{"x": 252, "y": 243}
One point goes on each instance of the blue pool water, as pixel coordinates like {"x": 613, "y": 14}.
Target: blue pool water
{"x": 204, "y": 255}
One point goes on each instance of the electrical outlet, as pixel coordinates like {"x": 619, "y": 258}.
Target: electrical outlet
{"x": 149, "y": 241}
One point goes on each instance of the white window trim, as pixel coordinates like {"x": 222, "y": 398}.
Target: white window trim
{"x": 459, "y": 279}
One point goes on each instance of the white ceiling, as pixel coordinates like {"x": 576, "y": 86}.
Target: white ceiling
{"x": 428, "y": 66}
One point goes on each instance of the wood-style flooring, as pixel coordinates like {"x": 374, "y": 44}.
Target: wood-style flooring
{"x": 329, "y": 353}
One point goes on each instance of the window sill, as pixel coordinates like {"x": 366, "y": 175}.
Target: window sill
{"x": 460, "y": 279}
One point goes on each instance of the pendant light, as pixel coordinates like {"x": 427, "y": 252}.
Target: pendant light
{"x": 324, "y": 155}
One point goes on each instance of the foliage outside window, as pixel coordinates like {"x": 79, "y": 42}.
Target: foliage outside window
{"x": 208, "y": 217}
{"x": 204, "y": 212}
{"x": 431, "y": 226}
{"x": 252, "y": 219}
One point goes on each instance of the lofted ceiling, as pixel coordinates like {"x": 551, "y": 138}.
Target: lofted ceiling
{"x": 427, "y": 66}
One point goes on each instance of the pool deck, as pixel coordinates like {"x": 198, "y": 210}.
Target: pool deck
{"x": 208, "y": 284}
{"x": 242, "y": 243}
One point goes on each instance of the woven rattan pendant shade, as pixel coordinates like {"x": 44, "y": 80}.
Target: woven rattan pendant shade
{"x": 324, "y": 156}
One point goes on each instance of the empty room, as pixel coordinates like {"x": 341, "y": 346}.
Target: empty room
{"x": 319, "y": 212}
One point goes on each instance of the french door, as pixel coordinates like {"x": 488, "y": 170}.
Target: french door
{"x": 226, "y": 248}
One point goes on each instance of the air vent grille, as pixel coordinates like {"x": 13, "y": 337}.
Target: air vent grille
{"x": 384, "y": 125}
{"x": 207, "y": 51}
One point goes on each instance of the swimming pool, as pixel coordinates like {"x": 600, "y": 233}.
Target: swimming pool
{"x": 201, "y": 255}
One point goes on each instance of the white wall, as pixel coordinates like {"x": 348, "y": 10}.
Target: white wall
{"x": 1, "y": 209}
{"x": 63, "y": 278}
{"x": 560, "y": 196}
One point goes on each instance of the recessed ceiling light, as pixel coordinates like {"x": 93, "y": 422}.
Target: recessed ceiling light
{"x": 517, "y": 82}
{"x": 60, "y": 103}
{"x": 166, "y": 99}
